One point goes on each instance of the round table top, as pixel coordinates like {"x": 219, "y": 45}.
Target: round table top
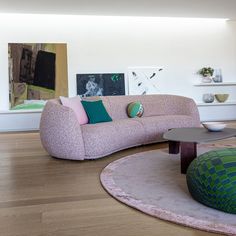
{"x": 198, "y": 135}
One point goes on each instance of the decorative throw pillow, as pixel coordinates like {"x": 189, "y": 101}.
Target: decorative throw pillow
{"x": 75, "y": 104}
{"x": 96, "y": 111}
{"x": 135, "y": 109}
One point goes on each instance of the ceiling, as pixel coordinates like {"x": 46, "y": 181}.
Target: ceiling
{"x": 167, "y": 8}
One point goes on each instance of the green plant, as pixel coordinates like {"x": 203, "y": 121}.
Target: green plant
{"x": 206, "y": 71}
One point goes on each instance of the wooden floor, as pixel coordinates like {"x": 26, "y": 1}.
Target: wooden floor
{"x": 43, "y": 196}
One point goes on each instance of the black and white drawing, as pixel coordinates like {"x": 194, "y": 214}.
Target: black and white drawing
{"x": 144, "y": 80}
{"x": 107, "y": 84}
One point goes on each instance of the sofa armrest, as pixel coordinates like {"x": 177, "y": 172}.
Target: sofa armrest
{"x": 187, "y": 106}
{"x": 60, "y": 132}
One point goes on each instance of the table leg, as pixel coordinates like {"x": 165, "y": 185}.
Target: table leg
{"x": 188, "y": 153}
{"x": 173, "y": 147}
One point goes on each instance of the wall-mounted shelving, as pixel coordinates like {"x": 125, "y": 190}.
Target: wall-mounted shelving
{"x": 228, "y": 103}
{"x": 21, "y": 111}
{"x": 216, "y": 84}
{"x": 216, "y": 111}
{"x": 216, "y": 104}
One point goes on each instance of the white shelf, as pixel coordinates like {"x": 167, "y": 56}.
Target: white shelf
{"x": 21, "y": 111}
{"x": 216, "y": 104}
{"x": 216, "y": 84}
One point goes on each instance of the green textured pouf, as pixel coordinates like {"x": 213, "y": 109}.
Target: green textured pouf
{"x": 211, "y": 179}
{"x": 135, "y": 109}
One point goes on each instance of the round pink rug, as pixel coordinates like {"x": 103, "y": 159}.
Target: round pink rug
{"x": 152, "y": 183}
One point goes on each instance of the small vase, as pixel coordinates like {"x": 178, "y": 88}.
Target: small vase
{"x": 208, "y": 97}
{"x": 217, "y": 76}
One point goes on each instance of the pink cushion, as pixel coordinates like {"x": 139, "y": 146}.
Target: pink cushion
{"x": 76, "y": 105}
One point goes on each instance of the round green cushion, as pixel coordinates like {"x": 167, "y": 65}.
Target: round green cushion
{"x": 135, "y": 109}
{"x": 211, "y": 179}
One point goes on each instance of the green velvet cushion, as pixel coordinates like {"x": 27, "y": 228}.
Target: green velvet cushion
{"x": 96, "y": 111}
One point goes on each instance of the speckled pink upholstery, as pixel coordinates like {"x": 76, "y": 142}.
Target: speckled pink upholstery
{"x": 63, "y": 137}
{"x": 104, "y": 138}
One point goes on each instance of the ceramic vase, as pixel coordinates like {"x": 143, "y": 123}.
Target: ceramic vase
{"x": 208, "y": 97}
{"x": 206, "y": 79}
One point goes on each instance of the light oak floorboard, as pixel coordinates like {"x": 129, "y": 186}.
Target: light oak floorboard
{"x": 44, "y": 196}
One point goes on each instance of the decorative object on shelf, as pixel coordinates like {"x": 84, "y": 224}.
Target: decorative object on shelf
{"x": 206, "y": 73}
{"x": 214, "y": 126}
{"x": 217, "y": 76}
{"x": 208, "y": 97}
{"x": 144, "y": 80}
{"x": 221, "y": 97}
{"x": 104, "y": 84}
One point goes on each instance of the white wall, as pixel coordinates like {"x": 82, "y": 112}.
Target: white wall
{"x": 111, "y": 44}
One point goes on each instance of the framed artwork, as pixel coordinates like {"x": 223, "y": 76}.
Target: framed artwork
{"x": 106, "y": 84}
{"x": 144, "y": 80}
{"x": 37, "y": 72}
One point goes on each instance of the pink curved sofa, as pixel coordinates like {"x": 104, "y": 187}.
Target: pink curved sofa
{"x": 63, "y": 137}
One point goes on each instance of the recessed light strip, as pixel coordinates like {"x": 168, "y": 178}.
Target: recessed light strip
{"x": 166, "y": 19}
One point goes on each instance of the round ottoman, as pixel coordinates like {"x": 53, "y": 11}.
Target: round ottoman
{"x": 211, "y": 179}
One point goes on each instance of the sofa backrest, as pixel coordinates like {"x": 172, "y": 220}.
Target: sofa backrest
{"x": 153, "y": 105}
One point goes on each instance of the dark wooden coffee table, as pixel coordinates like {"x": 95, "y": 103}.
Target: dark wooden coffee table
{"x": 188, "y": 138}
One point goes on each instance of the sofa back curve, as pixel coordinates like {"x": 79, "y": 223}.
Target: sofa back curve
{"x": 154, "y": 105}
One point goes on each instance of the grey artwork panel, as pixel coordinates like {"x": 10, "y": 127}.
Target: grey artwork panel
{"x": 107, "y": 84}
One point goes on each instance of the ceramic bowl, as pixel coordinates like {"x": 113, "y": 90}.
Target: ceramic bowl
{"x": 221, "y": 97}
{"x": 214, "y": 126}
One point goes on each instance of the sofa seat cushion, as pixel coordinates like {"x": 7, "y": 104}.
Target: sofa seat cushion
{"x": 104, "y": 138}
{"x": 155, "y": 126}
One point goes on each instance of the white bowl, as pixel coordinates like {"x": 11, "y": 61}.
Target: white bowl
{"x": 214, "y": 126}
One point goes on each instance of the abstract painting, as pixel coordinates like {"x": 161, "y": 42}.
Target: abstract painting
{"x": 144, "y": 80}
{"x": 37, "y": 72}
{"x": 106, "y": 84}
